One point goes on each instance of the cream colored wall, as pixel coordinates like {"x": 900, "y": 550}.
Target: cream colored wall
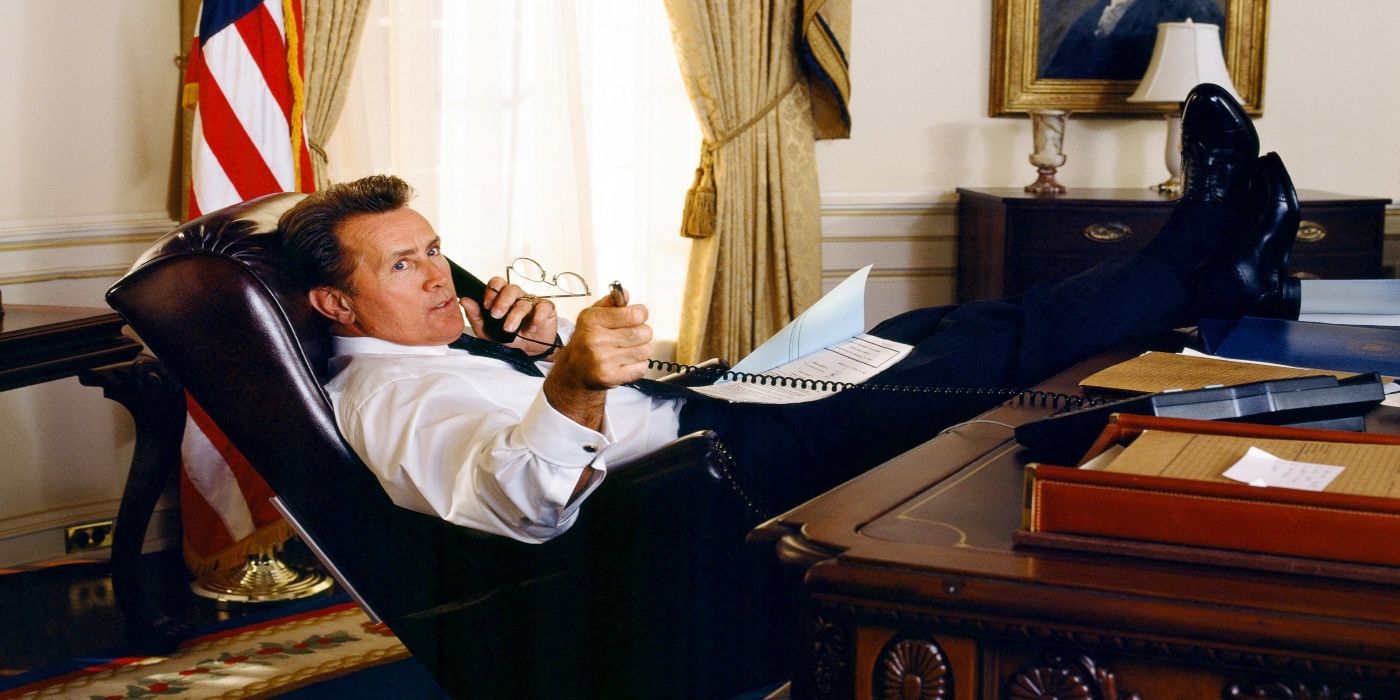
{"x": 919, "y": 108}
{"x": 87, "y": 123}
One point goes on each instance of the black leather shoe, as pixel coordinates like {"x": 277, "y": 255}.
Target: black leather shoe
{"x": 1249, "y": 277}
{"x": 1218, "y": 145}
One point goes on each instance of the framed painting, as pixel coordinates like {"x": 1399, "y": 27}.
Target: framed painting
{"x": 1087, "y": 56}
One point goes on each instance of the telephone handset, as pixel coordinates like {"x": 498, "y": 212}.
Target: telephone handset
{"x": 468, "y": 285}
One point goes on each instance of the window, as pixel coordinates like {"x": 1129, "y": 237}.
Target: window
{"x": 556, "y": 130}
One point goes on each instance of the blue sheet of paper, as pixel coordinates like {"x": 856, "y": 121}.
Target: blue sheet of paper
{"x": 837, "y": 316}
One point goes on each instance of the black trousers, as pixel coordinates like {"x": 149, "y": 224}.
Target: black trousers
{"x": 789, "y": 453}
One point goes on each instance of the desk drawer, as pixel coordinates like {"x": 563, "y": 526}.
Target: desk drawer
{"x": 1338, "y": 242}
{"x": 1090, "y": 232}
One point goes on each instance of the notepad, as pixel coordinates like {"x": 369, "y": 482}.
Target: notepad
{"x": 1162, "y": 371}
{"x": 1369, "y": 470}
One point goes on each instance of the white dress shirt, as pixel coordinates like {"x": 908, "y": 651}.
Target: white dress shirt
{"x": 473, "y": 441}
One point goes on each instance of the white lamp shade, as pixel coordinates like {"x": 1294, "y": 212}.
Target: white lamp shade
{"x": 1186, "y": 55}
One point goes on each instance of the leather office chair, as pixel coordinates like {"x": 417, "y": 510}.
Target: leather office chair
{"x": 651, "y": 594}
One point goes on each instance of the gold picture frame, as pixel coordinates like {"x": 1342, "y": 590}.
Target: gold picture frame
{"x": 1017, "y": 88}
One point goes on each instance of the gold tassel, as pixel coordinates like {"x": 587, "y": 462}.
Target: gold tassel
{"x": 698, "y": 219}
{"x": 269, "y": 536}
{"x": 190, "y": 96}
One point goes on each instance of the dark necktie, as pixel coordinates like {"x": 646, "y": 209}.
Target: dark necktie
{"x": 521, "y": 362}
{"x": 515, "y": 357}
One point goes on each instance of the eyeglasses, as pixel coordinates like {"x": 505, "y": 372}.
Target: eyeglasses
{"x": 571, "y": 284}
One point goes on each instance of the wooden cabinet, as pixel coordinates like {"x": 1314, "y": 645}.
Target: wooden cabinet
{"x": 1009, "y": 240}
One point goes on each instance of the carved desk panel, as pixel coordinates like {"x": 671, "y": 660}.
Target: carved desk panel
{"x": 912, "y": 589}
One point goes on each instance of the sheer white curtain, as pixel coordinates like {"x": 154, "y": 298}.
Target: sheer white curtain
{"x": 554, "y": 129}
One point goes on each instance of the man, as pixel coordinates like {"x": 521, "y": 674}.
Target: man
{"x": 476, "y": 441}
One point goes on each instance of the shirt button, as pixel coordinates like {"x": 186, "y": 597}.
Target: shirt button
{"x": 590, "y": 449}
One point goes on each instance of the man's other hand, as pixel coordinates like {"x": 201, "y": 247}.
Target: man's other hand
{"x": 521, "y": 314}
{"x": 609, "y": 347}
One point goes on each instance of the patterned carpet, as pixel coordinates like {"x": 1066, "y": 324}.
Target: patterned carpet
{"x": 321, "y": 649}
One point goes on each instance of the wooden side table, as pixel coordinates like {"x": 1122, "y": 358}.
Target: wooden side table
{"x": 1009, "y": 239}
{"x": 44, "y": 343}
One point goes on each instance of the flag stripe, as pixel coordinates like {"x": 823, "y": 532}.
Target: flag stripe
{"x": 232, "y": 66}
{"x": 253, "y": 492}
{"x": 211, "y": 184}
{"x": 216, "y": 482}
{"x": 263, "y": 38}
{"x": 234, "y": 149}
{"x": 204, "y": 531}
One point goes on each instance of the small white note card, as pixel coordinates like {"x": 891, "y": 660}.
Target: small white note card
{"x": 1259, "y": 468}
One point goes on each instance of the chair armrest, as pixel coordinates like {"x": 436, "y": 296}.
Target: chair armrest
{"x": 692, "y": 466}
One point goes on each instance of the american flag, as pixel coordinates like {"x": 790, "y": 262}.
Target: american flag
{"x": 245, "y": 85}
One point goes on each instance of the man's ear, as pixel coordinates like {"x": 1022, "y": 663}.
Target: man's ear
{"x": 332, "y": 303}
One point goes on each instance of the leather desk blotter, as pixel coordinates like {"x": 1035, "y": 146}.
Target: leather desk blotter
{"x": 1278, "y": 529}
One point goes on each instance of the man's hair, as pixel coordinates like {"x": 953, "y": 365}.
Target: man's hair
{"x": 310, "y": 228}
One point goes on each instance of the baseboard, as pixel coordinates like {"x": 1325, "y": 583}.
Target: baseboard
{"x": 46, "y": 543}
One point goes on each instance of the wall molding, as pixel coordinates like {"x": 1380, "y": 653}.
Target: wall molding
{"x": 55, "y": 232}
{"x": 885, "y": 203}
{"x": 69, "y": 273}
{"x": 57, "y": 518}
{"x": 840, "y": 273}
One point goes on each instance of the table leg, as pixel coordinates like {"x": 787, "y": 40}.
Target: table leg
{"x": 156, "y": 403}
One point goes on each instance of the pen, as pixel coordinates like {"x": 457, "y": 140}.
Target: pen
{"x": 619, "y": 297}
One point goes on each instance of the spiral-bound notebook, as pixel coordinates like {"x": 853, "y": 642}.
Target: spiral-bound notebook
{"x": 821, "y": 348}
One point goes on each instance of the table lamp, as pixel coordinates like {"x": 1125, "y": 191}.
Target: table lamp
{"x": 1186, "y": 55}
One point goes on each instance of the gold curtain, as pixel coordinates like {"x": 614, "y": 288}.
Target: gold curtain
{"x": 333, "y": 29}
{"x": 754, "y": 210}
{"x": 826, "y": 32}
{"x": 180, "y": 169}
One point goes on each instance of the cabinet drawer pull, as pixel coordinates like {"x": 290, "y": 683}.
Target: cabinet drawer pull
{"x": 1310, "y": 231}
{"x": 1107, "y": 233}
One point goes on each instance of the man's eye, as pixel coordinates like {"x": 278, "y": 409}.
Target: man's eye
{"x": 401, "y": 265}
{"x": 433, "y": 251}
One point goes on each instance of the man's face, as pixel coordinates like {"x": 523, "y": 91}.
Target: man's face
{"x": 403, "y": 286}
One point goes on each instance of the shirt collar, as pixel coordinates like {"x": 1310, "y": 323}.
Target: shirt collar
{"x": 365, "y": 345}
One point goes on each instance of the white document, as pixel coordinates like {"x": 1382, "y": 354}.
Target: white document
{"x": 849, "y": 362}
{"x": 1353, "y": 319}
{"x": 1259, "y": 468}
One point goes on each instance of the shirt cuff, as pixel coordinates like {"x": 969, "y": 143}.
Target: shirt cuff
{"x": 557, "y": 439}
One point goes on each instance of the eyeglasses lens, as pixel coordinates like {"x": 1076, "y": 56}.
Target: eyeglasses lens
{"x": 571, "y": 283}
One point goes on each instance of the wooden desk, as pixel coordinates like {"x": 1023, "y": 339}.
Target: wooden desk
{"x": 44, "y": 343}
{"x": 912, "y": 589}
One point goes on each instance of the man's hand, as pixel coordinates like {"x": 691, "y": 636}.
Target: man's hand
{"x": 609, "y": 347}
{"x": 522, "y": 314}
